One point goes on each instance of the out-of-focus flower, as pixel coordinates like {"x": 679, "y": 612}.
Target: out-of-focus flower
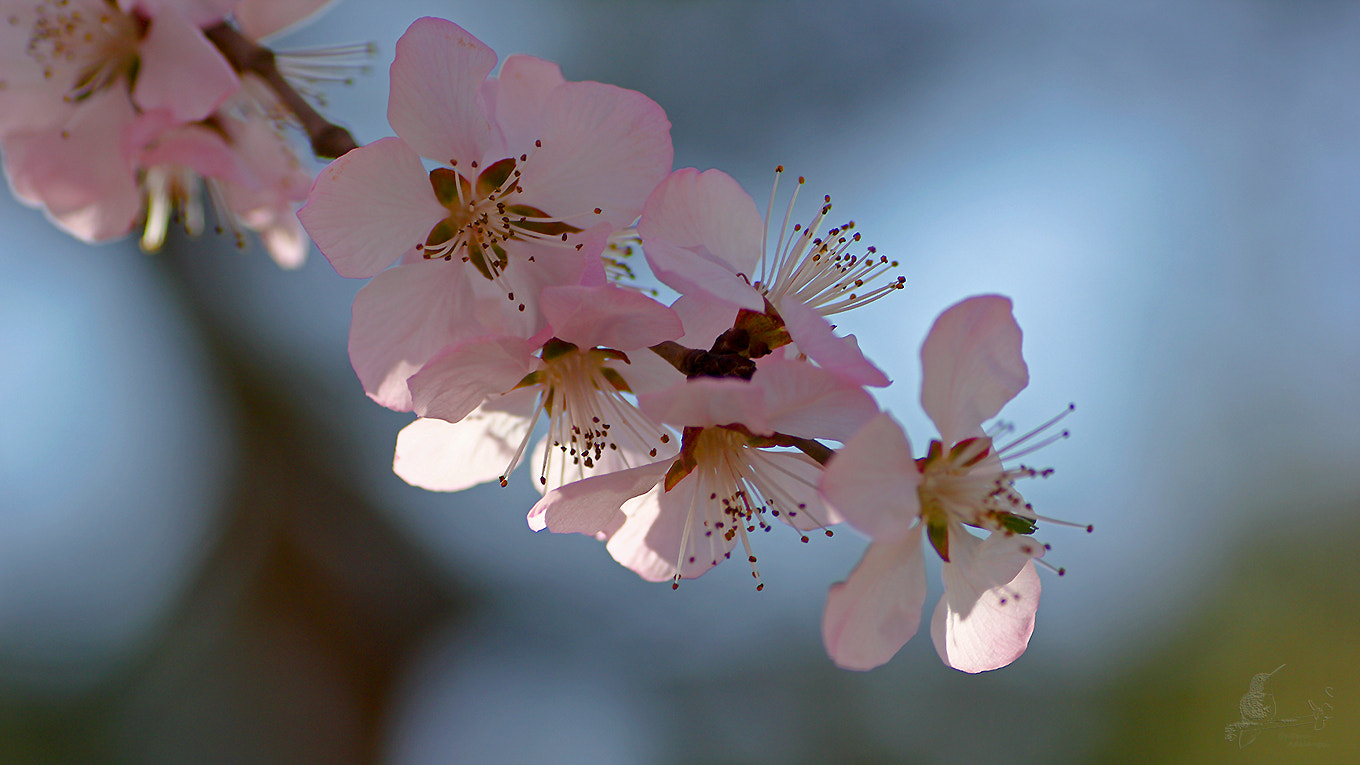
{"x": 971, "y": 366}
{"x": 479, "y": 400}
{"x": 115, "y": 113}
{"x": 532, "y": 169}
{"x": 676, "y": 519}
{"x": 703, "y": 236}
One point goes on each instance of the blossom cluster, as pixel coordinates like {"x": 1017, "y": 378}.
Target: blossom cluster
{"x": 119, "y": 113}
{"x": 496, "y": 229}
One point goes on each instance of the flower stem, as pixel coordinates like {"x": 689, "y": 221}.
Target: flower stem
{"x": 328, "y": 139}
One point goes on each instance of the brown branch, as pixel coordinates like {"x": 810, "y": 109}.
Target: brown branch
{"x": 328, "y": 139}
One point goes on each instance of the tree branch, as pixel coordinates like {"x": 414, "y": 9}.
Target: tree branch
{"x": 328, "y": 139}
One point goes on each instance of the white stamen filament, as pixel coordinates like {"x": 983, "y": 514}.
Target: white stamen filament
{"x": 817, "y": 271}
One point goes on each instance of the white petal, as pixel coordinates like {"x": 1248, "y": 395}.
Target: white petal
{"x": 873, "y": 479}
{"x": 991, "y": 593}
{"x": 971, "y": 366}
{"x": 876, "y": 610}
{"x": 446, "y": 456}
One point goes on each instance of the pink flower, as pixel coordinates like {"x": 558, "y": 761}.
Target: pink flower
{"x": 536, "y": 172}
{"x": 480, "y": 400}
{"x": 703, "y": 236}
{"x": 971, "y": 366}
{"x": 677, "y": 518}
{"x": 110, "y": 114}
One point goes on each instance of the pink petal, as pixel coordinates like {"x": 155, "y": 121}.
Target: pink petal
{"x": 370, "y": 207}
{"x": 699, "y": 232}
{"x": 876, "y": 610}
{"x": 401, "y": 320}
{"x": 603, "y": 147}
{"x": 814, "y": 336}
{"x": 707, "y": 401}
{"x": 80, "y": 174}
{"x": 608, "y": 317}
{"x": 593, "y": 505}
{"x": 872, "y": 481}
{"x": 444, "y": 456}
{"x": 516, "y": 97}
{"x": 261, "y": 18}
{"x": 180, "y": 70}
{"x": 458, "y": 380}
{"x": 991, "y": 593}
{"x": 971, "y": 366}
{"x": 705, "y": 318}
{"x": 803, "y": 400}
{"x": 433, "y": 104}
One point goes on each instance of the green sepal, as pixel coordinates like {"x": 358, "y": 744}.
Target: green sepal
{"x": 765, "y": 331}
{"x": 556, "y": 348}
{"x": 678, "y": 470}
{"x": 477, "y": 257}
{"x": 533, "y": 378}
{"x": 493, "y": 176}
{"x": 1016, "y": 523}
{"x": 446, "y": 185}
{"x": 615, "y": 379}
{"x": 937, "y": 531}
{"x": 545, "y": 227}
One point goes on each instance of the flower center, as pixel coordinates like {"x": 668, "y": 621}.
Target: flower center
{"x": 969, "y": 484}
{"x": 736, "y": 484}
{"x": 589, "y": 420}
{"x": 91, "y": 42}
{"x": 484, "y": 215}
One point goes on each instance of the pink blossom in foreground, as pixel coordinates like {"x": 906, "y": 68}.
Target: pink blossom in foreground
{"x": 703, "y": 236}
{"x": 532, "y": 169}
{"x": 677, "y": 518}
{"x": 971, "y": 366}
{"x": 479, "y": 400}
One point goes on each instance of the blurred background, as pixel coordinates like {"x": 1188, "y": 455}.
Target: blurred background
{"x": 205, "y": 556}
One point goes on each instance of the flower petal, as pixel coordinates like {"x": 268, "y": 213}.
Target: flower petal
{"x": 971, "y": 366}
{"x": 706, "y": 401}
{"x": 872, "y": 481}
{"x": 180, "y": 70}
{"x": 814, "y": 336}
{"x": 401, "y": 320}
{"x": 516, "y": 97}
{"x": 991, "y": 593}
{"x": 79, "y": 174}
{"x": 445, "y": 456}
{"x": 699, "y": 231}
{"x": 370, "y": 207}
{"x": 803, "y": 400}
{"x": 608, "y": 317}
{"x": 876, "y": 610}
{"x": 603, "y": 147}
{"x": 459, "y": 379}
{"x": 593, "y": 505}
{"x": 433, "y": 104}
{"x": 261, "y": 18}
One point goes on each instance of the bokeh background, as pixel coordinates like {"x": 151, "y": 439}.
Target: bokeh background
{"x": 205, "y": 557}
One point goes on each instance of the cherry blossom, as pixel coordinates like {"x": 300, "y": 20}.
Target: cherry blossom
{"x": 677, "y": 518}
{"x": 971, "y": 366}
{"x": 534, "y": 175}
{"x": 479, "y": 400}
{"x": 702, "y": 234}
